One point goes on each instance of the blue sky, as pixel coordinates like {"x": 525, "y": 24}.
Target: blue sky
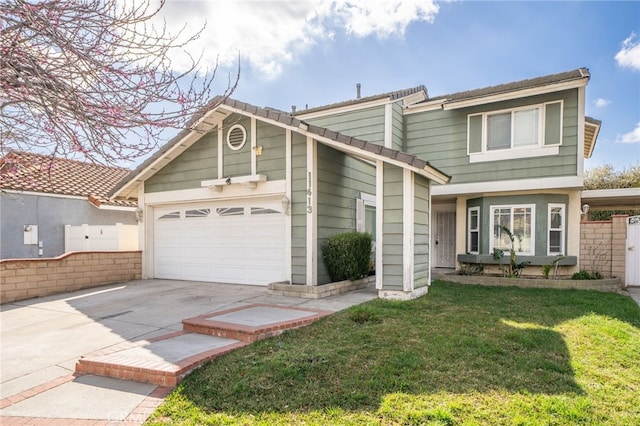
{"x": 314, "y": 52}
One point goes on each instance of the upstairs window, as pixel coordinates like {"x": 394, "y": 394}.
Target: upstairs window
{"x": 525, "y": 132}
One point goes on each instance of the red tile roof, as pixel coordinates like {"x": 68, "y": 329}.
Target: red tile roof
{"x": 22, "y": 171}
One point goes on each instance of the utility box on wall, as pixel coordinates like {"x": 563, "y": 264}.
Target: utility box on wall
{"x": 100, "y": 237}
{"x": 30, "y": 234}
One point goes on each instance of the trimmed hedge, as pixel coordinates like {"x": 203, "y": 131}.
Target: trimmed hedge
{"x": 347, "y": 255}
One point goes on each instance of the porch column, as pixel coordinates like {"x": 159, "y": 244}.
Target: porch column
{"x": 405, "y": 234}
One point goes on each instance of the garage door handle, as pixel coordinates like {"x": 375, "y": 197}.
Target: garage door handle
{"x": 632, "y": 248}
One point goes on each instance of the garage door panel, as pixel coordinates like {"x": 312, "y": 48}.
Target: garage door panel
{"x": 240, "y": 243}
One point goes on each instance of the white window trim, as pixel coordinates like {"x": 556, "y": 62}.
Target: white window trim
{"x": 539, "y": 150}
{"x": 361, "y": 204}
{"x": 514, "y": 206}
{"x": 469, "y": 229}
{"x": 562, "y": 229}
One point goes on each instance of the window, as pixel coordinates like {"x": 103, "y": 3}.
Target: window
{"x": 230, "y": 211}
{"x": 263, "y": 210}
{"x": 555, "y": 240}
{"x": 513, "y": 129}
{"x": 197, "y": 213}
{"x": 366, "y": 214}
{"x": 519, "y": 220}
{"x": 473, "y": 225}
{"x": 170, "y": 215}
{"x": 534, "y": 130}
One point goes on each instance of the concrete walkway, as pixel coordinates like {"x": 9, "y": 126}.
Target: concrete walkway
{"x": 42, "y": 340}
{"x": 634, "y": 292}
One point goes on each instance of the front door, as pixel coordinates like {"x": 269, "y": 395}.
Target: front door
{"x": 443, "y": 240}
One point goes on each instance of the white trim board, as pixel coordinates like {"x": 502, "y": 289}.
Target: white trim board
{"x": 511, "y": 185}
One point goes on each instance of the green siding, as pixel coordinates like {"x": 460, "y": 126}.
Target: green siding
{"x": 298, "y": 209}
{"x": 421, "y": 231}
{"x": 553, "y": 124}
{"x": 199, "y": 162}
{"x": 392, "y": 229}
{"x": 237, "y": 163}
{"x": 367, "y": 124}
{"x": 341, "y": 179}
{"x": 475, "y": 133}
{"x": 397, "y": 127}
{"x": 272, "y": 162}
{"x": 440, "y": 137}
{"x": 541, "y": 202}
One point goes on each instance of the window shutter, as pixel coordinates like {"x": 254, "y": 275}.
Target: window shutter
{"x": 475, "y": 134}
{"x": 360, "y": 215}
{"x": 553, "y": 124}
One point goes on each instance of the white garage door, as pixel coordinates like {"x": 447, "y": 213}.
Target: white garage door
{"x": 240, "y": 242}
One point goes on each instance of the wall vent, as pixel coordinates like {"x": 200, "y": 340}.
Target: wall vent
{"x": 236, "y": 137}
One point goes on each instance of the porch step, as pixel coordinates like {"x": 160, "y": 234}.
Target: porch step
{"x": 167, "y": 359}
{"x": 253, "y": 322}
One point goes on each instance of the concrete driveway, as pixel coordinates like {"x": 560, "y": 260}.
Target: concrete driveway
{"x": 43, "y": 338}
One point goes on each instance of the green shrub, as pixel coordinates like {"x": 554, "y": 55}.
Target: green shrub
{"x": 586, "y": 275}
{"x": 347, "y": 256}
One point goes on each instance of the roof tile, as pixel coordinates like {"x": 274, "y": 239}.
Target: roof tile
{"x": 22, "y": 171}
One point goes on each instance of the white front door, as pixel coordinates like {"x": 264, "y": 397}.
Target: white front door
{"x": 240, "y": 242}
{"x": 632, "y": 272}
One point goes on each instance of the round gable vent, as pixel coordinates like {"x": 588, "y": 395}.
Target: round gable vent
{"x": 236, "y": 137}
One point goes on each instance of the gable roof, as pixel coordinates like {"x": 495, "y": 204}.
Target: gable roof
{"x": 27, "y": 172}
{"x": 392, "y": 96}
{"x": 337, "y": 140}
{"x": 580, "y": 75}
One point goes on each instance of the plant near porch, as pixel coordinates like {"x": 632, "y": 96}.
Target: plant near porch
{"x": 460, "y": 355}
{"x": 513, "y": 268}
{"x": 347, "y": 255}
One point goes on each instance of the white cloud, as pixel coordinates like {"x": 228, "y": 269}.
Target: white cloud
{"x": 601, "y": 102}
{"x": 629, "y": 54}
{"x": 630, "y": 137}
{"x": 269, "y": 34}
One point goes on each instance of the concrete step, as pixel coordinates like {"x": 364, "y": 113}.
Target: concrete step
{"x": 164, "y": 360}
{"x": 253, "y": 322}
{"x": 167, "y": 359}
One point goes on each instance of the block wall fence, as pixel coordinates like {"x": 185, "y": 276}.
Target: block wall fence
{"x": 26, "y": 278}
{"x": 603, "y": 246}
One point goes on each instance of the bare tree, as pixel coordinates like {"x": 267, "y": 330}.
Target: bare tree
{"x": 94, "y": 78}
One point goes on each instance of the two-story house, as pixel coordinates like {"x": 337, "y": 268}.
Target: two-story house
{"x": 248, "y": 194}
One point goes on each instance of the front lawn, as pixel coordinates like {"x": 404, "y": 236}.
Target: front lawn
{"x": 460, "y": 355}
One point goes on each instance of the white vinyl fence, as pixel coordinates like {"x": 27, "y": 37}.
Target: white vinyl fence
{"x": 100, "y": 237}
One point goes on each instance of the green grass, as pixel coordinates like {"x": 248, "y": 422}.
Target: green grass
{"x": 459, "y": 355}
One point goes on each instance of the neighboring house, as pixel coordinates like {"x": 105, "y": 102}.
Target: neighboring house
{"x": 39, "y": 195}
{"x": 248, "y": 194}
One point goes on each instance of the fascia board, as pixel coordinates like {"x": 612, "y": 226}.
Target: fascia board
{"x": 428, "y": 172}
{"x": 610, "y": 193}
{"x": 43, "y": 194}
{"x": 557, "y": 87}
{"x": 512, "y": 185}
{"x": 346, "y": 108}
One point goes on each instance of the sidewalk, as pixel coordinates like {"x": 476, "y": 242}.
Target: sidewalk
{"x": 43, "y": 339}
{"x": 634, "y": 292}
